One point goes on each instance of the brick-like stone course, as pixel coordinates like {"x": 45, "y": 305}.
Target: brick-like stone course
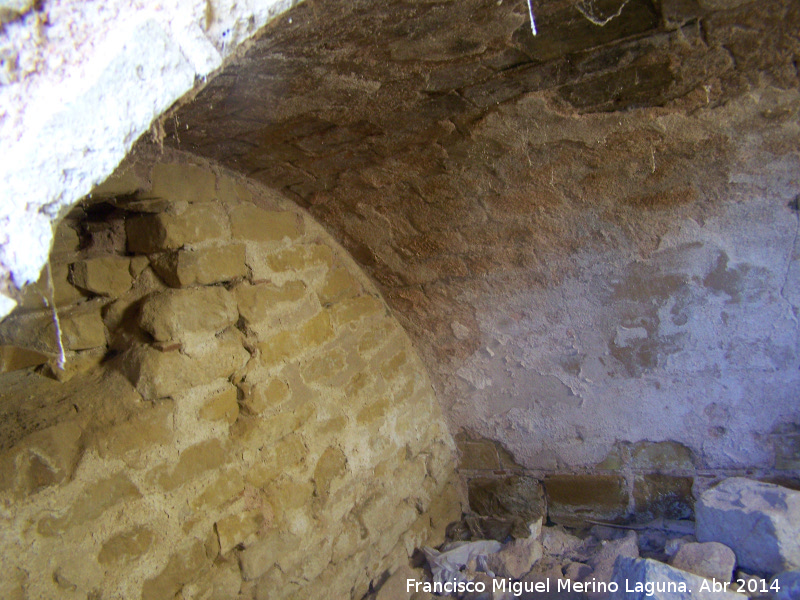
{"x": 283, "y": 441}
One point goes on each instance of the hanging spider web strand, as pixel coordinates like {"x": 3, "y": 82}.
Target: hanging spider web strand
{"x": 533, "y": 21}
{"x": 586, "y": 8}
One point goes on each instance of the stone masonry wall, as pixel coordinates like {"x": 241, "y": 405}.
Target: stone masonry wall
{"x": 238, "y": 416}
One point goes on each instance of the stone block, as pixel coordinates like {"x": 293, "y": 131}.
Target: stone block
{"x": 759, "y": 521}
{"x": 355, "y": 309}
{"x": 66, "y": 243}
{"x": 258, "y": 432}
{"x": 477, "y": 455}
{"x": 159, "y": 374}
{"x": 259, "y": 397}
{"x": 644, "y": 578}
{"x": 149, "y": 233}
{"x": 330, "y": 466}
{"x": 181, "y": 568}
{"x": 376, "y": 411}
{"x": 391, "y": 368}
{"x": 126, "y": 546}
{"x": 131, "y": 440}
{"x": 64, "y": 293}
{"x": 236, "y": 529}
{"x": 287, "y": 345}
{"x": 81, "y": 329}
{"x": 663, "y": 496}
{"x": 176, "y": 314}
{"x": 231, "y": 191}
{"x": 42, "y": 459}
{"x": 375, "y": 337}
{"x": 339, "y": 284}
{"x": 96, "y": 498}
{"x": 248, "y": 222}
{"x": 261, "y": 556}
{"x": 223, "y": 406}
{"x": 300, "y": 258}
{"x": 117, "y": 184}
{"x": 661, "y": 456}
{"x": 514, "y": 496}
{"x": 326, "y": 369}
{"x": 711, "y": 560}
{"x": 257, "y": 302}
{"x": 13, "y": 358}
{"x": 106, "y": 275}
{"x": 573, "y": 498}
{"x": 182, "y": 182}
{"x": 193, "y": 462}
{"x": 289, "y": 451}
{"x": 205, "y": 266}
{"x": 222, "y": 490}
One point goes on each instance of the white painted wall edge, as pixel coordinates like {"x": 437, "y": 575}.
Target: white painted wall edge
{"x": 92, "y": 77}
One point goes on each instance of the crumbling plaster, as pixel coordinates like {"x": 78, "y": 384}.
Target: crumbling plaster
{"x": 80, "y": 82}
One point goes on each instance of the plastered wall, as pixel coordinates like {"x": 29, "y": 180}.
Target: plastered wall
{"x": 238, "y": 416}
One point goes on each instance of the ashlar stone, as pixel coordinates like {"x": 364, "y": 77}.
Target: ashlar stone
{"x": 130, "y": 440}
{"x": 203, "y": 266}
{"x": 96, "y": 498}
{"x": 287, "y": 345}
{"x": 126, "y": 546}
{"x": 257, "y": 302}
{"x": 159, "y": 374}
{"x": 182, "y": 182}
{"x": 223, "y": 406}
{"x": 223, "y": 489}
{"x": 248, "y": 222}
{"x": 356, "y": 309}
{"x": 106, "y": 275}
{"x": 300, "y": 258}
{"x": 13, "y": 358}
{"x": 157, "y": 232}
{"x": 44, "y": 458}
{"x": 330, "y": 466}
{"x": 193, "y": 462}
{"x": 338, "y": 285}
{"x": 176, "y": 314}
{"x": 259, "y": 396}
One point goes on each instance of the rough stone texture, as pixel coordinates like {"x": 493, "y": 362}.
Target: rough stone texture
{"x": 203, "y": 266}
{"x": 163, "y": 231}
{"x": 107, "y": 276}
{"x": 260, "y": 439}
{"x": 178, "y": 314}
{"x": 604, "y": 562}
{"x": 585, "y": 232}
{"x": 758, "y": 521}
{"x": 658, "y": 577}
{"x": 573, "y": 498}
{"x": 711, "y": 560}
{"x": 520, "y": 497}
{"x": 665, "y": 496}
